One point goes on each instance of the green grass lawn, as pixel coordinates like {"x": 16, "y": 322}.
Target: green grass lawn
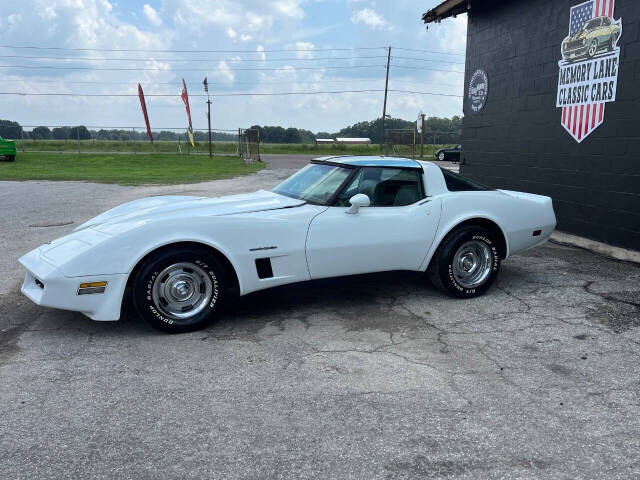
{"x": 124, "y": 169}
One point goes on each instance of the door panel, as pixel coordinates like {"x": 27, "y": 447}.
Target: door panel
{"x": 373, "y": 240}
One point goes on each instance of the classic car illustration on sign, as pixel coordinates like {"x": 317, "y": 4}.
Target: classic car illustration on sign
{"x": 178, "y": 257}
{"x": 588, "y": 76}
{"x": 596, "y": 35}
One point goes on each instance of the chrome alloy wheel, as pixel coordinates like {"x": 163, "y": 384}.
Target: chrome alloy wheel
{"x": 182, "y": 290}
{"x": 472, "y": 264}
{"x": 593, "y": 48}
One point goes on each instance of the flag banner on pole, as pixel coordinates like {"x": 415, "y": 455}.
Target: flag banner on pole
{"x": 185, "y": 99}
{"x": 144, "y": 111}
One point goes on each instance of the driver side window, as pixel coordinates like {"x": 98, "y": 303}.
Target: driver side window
{"x": 385, "y": 187}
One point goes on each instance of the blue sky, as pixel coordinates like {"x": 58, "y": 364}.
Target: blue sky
{"x": 239, "y": 45}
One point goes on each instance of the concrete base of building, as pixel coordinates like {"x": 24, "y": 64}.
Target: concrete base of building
{"x": 610, "y": 251}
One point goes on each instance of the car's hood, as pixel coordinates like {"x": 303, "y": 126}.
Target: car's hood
{"x": 577, "y": 36}
{"x": 151, "y": 208}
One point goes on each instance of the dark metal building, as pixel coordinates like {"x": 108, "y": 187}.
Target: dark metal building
{"x": 552, "y": 106}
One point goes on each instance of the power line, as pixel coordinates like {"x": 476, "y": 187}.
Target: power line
{"x": 42, "y": 57}
{"x": 33, "y": 47}
{"x": 233, "y": 60}
{"x": 425, "y": 68}
{"x": 47, "y": 67}
{"x": 282, "y": 69}
{"x": 199, "y": 82}
{"x": 39, "y": 57}
{"x": 229, "y": 94}
{"x": 347, "y": 49}
{"x": 460, "y": 54}
{"x": 426, "y": 60}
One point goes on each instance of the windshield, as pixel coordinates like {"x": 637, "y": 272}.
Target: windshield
{"x": 315, "y": 183}
{"x": 592, "y": 24}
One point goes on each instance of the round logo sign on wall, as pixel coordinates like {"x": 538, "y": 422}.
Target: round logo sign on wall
{"x": 478, "y": 90}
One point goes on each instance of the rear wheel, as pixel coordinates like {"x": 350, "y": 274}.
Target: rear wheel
{"x": 466, "y": 262}
{"x": 593, "y": 49}
{"x": 11, "y": 158}
{"x": 441, "y": 156}
{"x": 179, "y": 291}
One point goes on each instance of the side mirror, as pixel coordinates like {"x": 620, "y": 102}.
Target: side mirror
{"x": 357, "y": 201}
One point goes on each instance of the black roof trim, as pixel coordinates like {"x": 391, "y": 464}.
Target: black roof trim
{"x": 446, "y": 9}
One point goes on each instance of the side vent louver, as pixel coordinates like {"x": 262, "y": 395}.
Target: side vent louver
{"x": 263, "y": 267}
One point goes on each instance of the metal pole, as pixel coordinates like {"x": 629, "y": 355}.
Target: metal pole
{"x": 413, "y": 154}
{"x": 209, "y": 120}
{"x": 22, "y": 135}
{"x": 78, "y": 132}
{"x": 422, "y": 138}
{"x": 384, "y": 108}
{"x": 133, "y": 133}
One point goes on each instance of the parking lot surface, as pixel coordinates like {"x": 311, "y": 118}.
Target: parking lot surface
{"x": 369, "y": 377}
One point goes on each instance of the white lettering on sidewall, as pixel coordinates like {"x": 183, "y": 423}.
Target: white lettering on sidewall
{"x": 494, "y": 254}
{"x": 214, "y": 294}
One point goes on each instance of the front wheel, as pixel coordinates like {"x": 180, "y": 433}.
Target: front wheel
{"x": 179, "y": 290}
{"x": 593, "y": 49}
{"x": 441, "y": 156}
{"x": 11, "y": 158}
{"x": 466, "y": 263}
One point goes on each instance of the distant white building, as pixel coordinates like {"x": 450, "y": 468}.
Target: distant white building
{"x": 325, "y": 141}
{"x": 353, "y": 141}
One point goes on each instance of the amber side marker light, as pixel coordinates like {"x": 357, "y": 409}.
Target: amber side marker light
{"x": 91, "y": 288}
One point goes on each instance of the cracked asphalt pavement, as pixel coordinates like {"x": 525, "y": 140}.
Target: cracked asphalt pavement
{"x": 369, "y": 377}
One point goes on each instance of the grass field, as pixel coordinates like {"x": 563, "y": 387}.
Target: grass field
{"x": 124, "y": 169}
{"x": 108, "y": 146}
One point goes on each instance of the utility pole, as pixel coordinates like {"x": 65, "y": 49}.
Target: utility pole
{"x": 206, "y": 89}
{"x": 384, "y": 108}
{"x": 422, "y": 137}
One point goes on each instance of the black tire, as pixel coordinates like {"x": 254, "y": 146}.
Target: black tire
{"x": 11, "y": 158}
{"x": 442, "y": 271}
{"x": 198, "y": 269}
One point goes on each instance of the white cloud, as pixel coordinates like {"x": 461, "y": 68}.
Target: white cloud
{"x": 246, "y": 38}
{"x": 304, "y": 46}
{"x": 256, "y": 21}
{"x": 223, "y": 73}
{"x": 152, "y": 15}
{"x": 231, "y": 33}
{"x": 371, "y": 19}
{"x": 14, "y": 19}
{"x": 453, "y": 34}
{"x": 290, "y": 8}
{"x": 261, "y": 54}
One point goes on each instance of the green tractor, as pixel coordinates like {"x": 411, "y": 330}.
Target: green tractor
{"x": 7, "y": 149}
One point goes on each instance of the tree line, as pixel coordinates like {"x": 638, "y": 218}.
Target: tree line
{"x": 13, "y": 130}
{"x": 437, "y": 129}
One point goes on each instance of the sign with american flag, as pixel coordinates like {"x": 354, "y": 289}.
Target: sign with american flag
{"x": 588, "y": 76}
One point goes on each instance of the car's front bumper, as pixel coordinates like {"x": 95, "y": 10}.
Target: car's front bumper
{"x": 45, "y": 285}
{"x": 572, "y": 54}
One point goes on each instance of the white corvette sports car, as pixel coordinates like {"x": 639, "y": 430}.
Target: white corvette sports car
{"x": 177, "y": 256}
